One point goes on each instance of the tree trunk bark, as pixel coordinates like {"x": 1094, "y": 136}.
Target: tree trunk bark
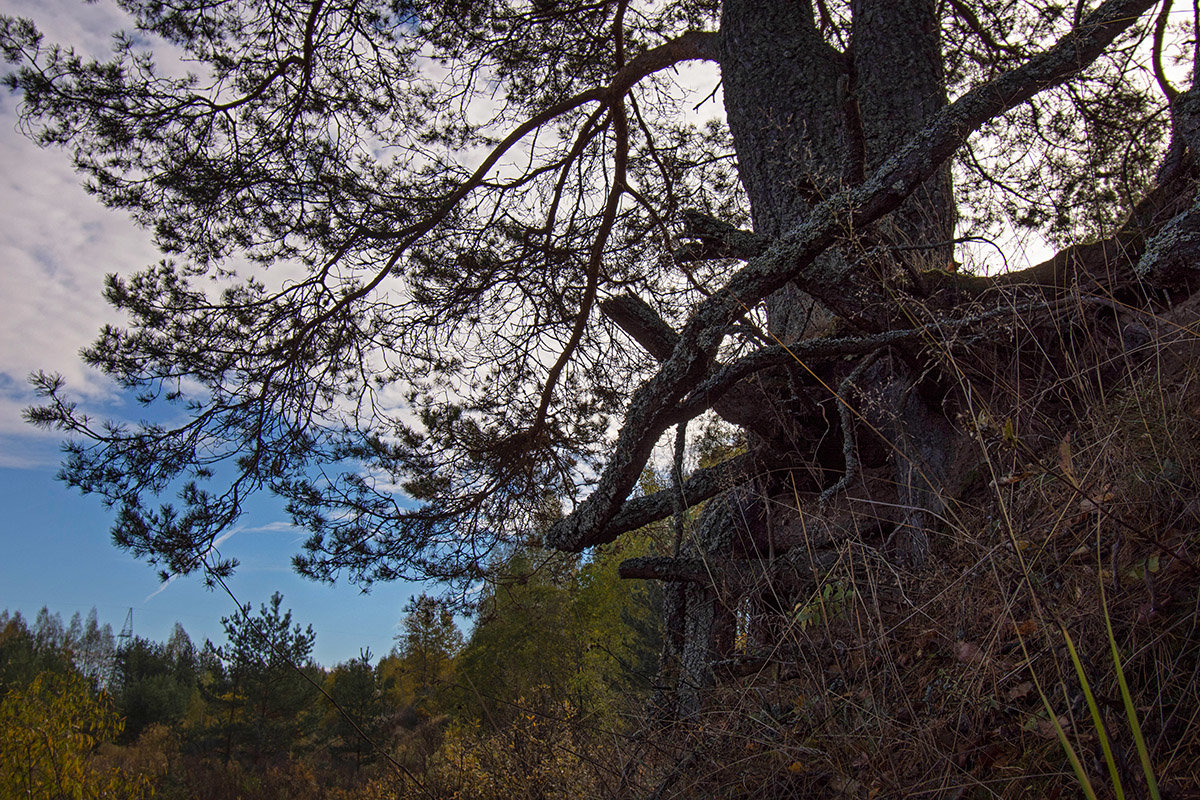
{"x": 898, "y": 85}
{"x": 789, "y": 132}
{"x": 823, "y": 120}
{"x": 807, "y": 121}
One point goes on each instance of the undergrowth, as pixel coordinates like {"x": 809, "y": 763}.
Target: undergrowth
{"x": 958, "y": 680}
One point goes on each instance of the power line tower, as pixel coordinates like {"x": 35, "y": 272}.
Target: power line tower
{"x": 126, "y": 634}
{"x": 123, "y": 640}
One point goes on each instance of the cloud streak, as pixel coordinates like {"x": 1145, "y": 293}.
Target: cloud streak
{"x": 56, "y": 245}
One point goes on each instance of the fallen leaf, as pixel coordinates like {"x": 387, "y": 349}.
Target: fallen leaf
{"x": 969, "y": 653}
{"x": 1020, "y": 691}
{"x": 1046, "y": 730}
{"x": 1025, "y": 628}
{"x": 1089, "y": 504}
{"x": 846, "y": 786}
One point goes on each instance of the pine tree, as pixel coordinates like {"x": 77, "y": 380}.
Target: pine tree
{"x": 267, "y": 699}
{"x": 509, "y": 260}
{"x": 421, "y": 666}
{"x": 154, "y": 684}
{"x": 357, "y": 727}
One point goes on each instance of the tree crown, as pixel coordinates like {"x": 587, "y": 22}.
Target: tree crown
{"x": 446, "y": 195}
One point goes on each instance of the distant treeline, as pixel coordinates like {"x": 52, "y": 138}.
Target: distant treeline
{"x": 560, "y": 653}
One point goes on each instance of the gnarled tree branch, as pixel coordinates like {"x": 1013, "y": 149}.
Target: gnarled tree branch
{"x": 702, "y": 485}
{"x": 793, "y": 257}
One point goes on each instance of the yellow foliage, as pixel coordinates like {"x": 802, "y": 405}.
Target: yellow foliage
{"x": 49, "y": 731}
{"x": 536, "y": 756}
{"x": 149, "y": 757}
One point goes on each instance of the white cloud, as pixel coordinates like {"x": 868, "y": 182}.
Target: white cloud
{"x": 160, "y": 589}
{"x": 279, "y": 526}
{"x": 87, "y": 27}
{"x": 214, "y": 548}
{"x": 56, "y": 244}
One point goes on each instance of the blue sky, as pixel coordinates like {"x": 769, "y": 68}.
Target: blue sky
{"x": 56, "y": 244}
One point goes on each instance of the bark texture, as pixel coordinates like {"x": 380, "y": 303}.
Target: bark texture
{"x": 821, "y": 122}
{"x": 880, "y": 439}
{"x": 899, "y": 85}
{"x": 789, "y": 131}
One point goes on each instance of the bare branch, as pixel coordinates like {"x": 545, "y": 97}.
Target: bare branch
{"x": 703, "y": 484}
{"x": 741, "y": 405}
{"x": 651, "y": 409}
{"x": 595, "y": 260}
{"x": 640, "y": 321}
{"x": 969, "y": 18}
{"x": 1160, "y": 75}
{"x": 717, "y": 239}
{"x": 693, "y": 45}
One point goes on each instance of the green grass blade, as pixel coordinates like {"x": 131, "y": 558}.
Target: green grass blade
{"x": 1084, "y": 782}
{"x": 1109, "y": 761}
{"x": 1127, "y": 699}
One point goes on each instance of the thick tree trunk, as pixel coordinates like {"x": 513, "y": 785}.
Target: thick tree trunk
{"x": 781, "y": 85}
{"x": 823, "y": 120}
{"x": 826, "y": 118}
{"x": 898, "y": 85}
{"x": 820, "y": 122}
{"x": 789, "y": 131}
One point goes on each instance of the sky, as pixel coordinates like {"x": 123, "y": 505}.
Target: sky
{"x": 56, "y": 245}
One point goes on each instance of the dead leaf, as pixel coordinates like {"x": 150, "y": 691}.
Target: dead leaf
{"x": 969, "y": 653}
{"x": 1045, "y": 727}
{"x": 1089, "y": 504}
{"x": 1147, "y": 612}
{"x": 1026, "y": 628}
{"x": 846, "y": 786}
{"x": 1020, "y": 691}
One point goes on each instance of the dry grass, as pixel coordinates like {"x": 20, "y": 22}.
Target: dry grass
{"x": 883, "y": 683}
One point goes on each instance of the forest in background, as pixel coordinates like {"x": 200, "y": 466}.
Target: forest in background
{"x": 953, "y": 551}
{"x": 558, "y": 660}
